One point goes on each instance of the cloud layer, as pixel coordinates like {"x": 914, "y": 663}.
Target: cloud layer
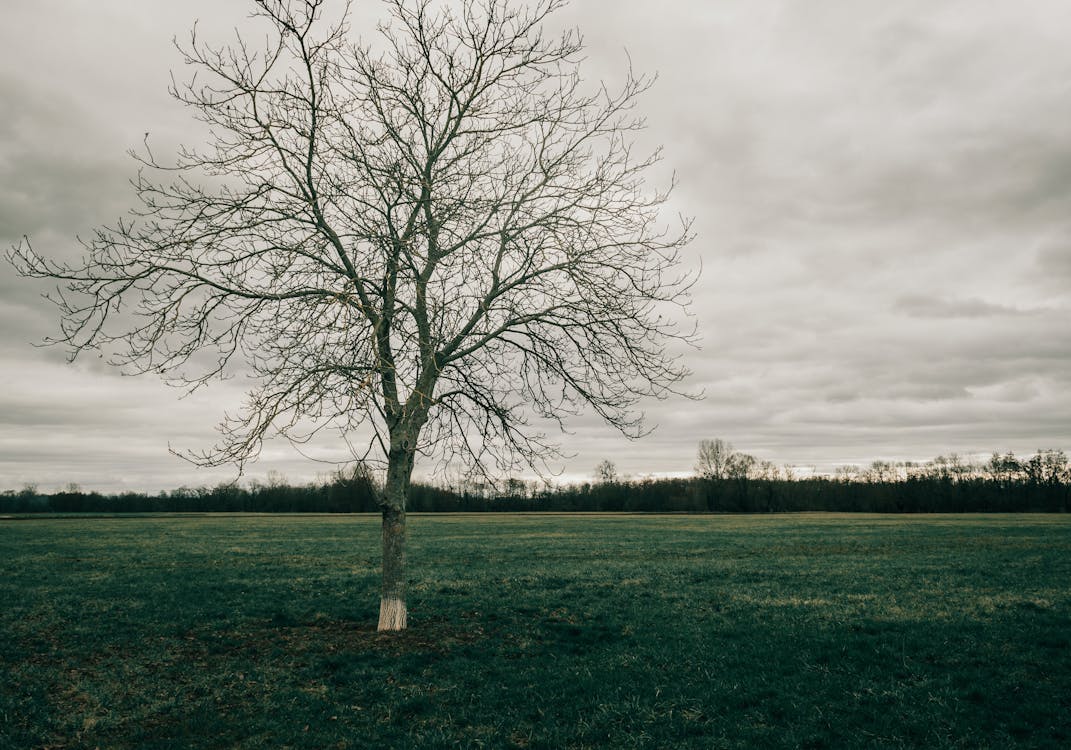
{"x": 882, "y": 194}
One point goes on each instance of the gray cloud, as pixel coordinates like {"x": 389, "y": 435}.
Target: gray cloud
{"x": 923, "y": 306}
{"x": 46, "y": 173}
{"x": 1054, "y": 261}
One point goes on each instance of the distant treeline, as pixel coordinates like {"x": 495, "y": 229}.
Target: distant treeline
{"x": 944, "y": 485}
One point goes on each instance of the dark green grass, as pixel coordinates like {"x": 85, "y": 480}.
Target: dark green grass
{"x": 538, "y": 631}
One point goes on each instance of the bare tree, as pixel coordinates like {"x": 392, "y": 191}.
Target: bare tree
{"x": 767, "y": 470}
{"x": 740, "y": 466}
{"x": 606, "y": 471}
{"x": 1047, "y": 467}
{"x": 847, "y": 473}
{"x": 435, "y": 241}
{"x": 882, "y": 472}
{"x": 712, "y": 460}
{"x": 1004, "y": 470}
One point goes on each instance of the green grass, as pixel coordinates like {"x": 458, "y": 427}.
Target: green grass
{"x": 803, "y": 631}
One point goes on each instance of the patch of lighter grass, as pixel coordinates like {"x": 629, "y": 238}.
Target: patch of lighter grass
{"x": 790, "y": 601}
{"x": 995, "y": 603}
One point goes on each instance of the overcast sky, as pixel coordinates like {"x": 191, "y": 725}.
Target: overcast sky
{"x": 882, "y": 195}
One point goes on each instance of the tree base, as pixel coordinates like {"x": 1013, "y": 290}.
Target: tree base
{"x": 392, "y": 615}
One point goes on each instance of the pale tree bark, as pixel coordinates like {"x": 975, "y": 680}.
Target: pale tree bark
{"x": 442, "y": 243}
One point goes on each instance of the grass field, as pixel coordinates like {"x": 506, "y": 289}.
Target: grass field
{"x": 803, "y": 631}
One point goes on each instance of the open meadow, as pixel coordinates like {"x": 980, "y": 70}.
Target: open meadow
{"x": 538, "y": 631}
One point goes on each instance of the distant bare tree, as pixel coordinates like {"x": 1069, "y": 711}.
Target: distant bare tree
{"x": 606, "y": 471}
{"x": 713, "y": 458}
{"x": 881, "y": 472}
{"x": 436, "y": 242}
{"x": 1047, "y": 467}
{"x": 516, "y": 488}
{"x": 847, "y": 473}
{"x": 740, "y": 466}
{"x": 1004, "y": 469}
{"x": 767, "y": 470}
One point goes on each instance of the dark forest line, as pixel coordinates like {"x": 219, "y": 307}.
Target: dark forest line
{"x": 914, "y": 494}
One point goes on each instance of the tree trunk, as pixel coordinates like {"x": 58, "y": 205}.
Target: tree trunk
{"x": 392, "y": 609}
